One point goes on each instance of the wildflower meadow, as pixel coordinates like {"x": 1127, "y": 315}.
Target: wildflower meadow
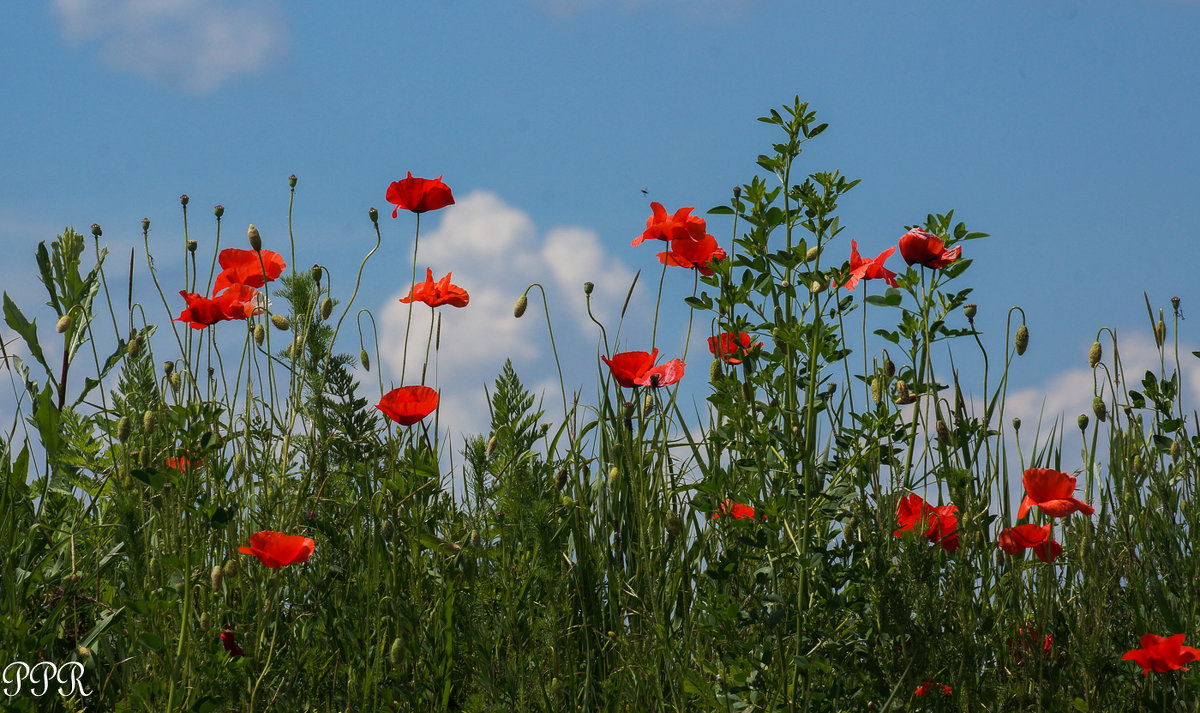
{"x": 214, "y": 501}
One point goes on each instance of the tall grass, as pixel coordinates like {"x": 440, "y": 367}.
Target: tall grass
{"x": 595, "y": 562}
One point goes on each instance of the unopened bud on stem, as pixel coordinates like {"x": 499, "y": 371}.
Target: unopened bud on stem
{"x": 1094, "y": 354}
{"x": 1022, "y": 339}
{"x": 254, "y": 237}
{"x": 520, "y": 306}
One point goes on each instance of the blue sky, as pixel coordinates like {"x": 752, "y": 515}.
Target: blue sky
{"x": 1066, "y": 130}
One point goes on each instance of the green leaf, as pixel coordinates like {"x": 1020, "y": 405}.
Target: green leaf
{"x": 152, "y": 641}
{"x": 28, "y": 331}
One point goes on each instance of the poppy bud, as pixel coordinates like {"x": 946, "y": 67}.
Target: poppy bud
{"x": 943, "y": 431}
{"x": 148, "y": 422}
{"x": 175, "y": 381}
{"x": 280, "y": 322}
{"x": 133, "y": 349}
{"x": 587, "y": 287}
{"x": 613, "y": 473}
{"x": 1016, "y": 423}
{"x": 292, "y": 181}
{"x": 366, "y": 360}
{"x": 205, "y": 622}
{"x": 218, "y": 210}
{"x": 627, "y": 410}
{"x": 1094, "y": 355}
{"x": 674, "y": 524}
{"x": 289, "y": 349}
{"x": 560, "y": 478}
{"x": 64, "y": 323}
{"x": 1175, "y": 451}
{"x": 519, "y": 307}
{"x": 1160, "y": 330}
{"x": 491, "y": 446}
{"x": 648, "y": 404}
{"x": 239, "y": 463}
{"x": 387, "y": 529}
{"x": 183, "y": 200}
{"x": 714, "y": 370}
{"x": 96, "y": 230}
{"x": 396, "y": 653}
{"x": 902, "y": 389}
{"x": 168, "y": 367}
{"x": 254, "y": 237}
{"x": 260, "y": 334}
{"x": 474, "y": 539}
{"x": 1099, "y": 408}
{"x": 877, "y": 389}
{"x": 737, "y": 191}
{"x": 812, "y": 253}
{"x": 145, "y": 225}
{"x": 217, "y": 577}
{"x": 123, "y": 429}
{"x": 192, "y": 245}
{"x": 889, "y": 368}
{"x": 231, "y": 568}
{"x": 326, "y": 308}
{"x": 816, "y": 286}
{"x": 1022, "y": 339}
{"x": 1083, "y": 421}
{"x": 970, "y": 310}
{"x": 373, "y": 215}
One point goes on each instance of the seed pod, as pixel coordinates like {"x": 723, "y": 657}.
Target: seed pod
{"x": 1094, "y": 354}
{"x": 560, "y": 478}
{"x": 396, "y": 653}
{"x": 218, "y": 210}
{"x": 943, "y": 431}
{"x": 260, "y": 334}
{"x": 280, "y": 322}
{"x": 366, "y": 360}
{"x": 254, "y": 237}
{"x": 205, "y": 622}
{"x": 217, "y": 577}
{"x": 123, "y": 429}
{"x": 970, "y": 310}
{"x": 168, "y": 367}
{"x": 183, "y": 200}
{"x": 1083, "y": 421}
{"x": 145, "y": 225}
{"x": 1016, "y": 424}
{"x": 1099, "y": 408}
{"x": 519, "y": 307}
{"x": 64, "y": 323}
{"x": 491, "y": 446}
{"x": 326, "y": 307}
{"x": 1022, "y": 339}
{"x": 192, "y": 245}
{"x": 1175, "y": 451}
{"x": 315, "y": 274}
{"x": 588, "y": 287}
{"x": 292, "y": 180}
{"x": 373, "y": 214}
{"x": 96, "y": 231}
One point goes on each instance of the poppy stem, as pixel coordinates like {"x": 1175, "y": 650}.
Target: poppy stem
{"x": 658, "y": 302}
{"x": 408, "y": 327}
{"x": 357, "y": 282}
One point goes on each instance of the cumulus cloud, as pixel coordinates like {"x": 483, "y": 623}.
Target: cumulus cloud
{"x": 494, "y": 251}
{"x": 194, "y": 45}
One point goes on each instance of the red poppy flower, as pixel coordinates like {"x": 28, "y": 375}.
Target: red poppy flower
{"x": 1162, "y": 654}
{"x": 923, "y": 247}
{"x": 275, "y": 549}
{"x": 925, "y": 688}
{"x": 408, "y": 404}
{"x": 1051, "y": 491}
{"x": 242, "y": 267}
{"x": 1027, "y": 640}
{"x": 233, "y": 303}
{"x": 737, "y": 510}
{"x": 728, "y": 344}
{"x": 861, "y": 269}
{"x": 182, "y": 464}
{"x": 696, "y": 254}
{"x": 680, "y": 226}
{"x": 439, "y": 293}
{"x": 637, "y": 369}
{"x": 939, "y": 524}
{"x": 419, "y": 194}
{"x": 229, "y": 643}
{"x": 1029, "y": 536}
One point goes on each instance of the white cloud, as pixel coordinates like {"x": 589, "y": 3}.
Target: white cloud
{"x": 494, "y": 251}
{"x": 194, "y": 45}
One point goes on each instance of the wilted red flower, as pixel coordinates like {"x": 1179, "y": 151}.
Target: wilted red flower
{"x": 923, "y": 247}
{"x": 939, "y": 524}
{"x": 233, "y": 303}
{"x": 1027, "y": 640}
{"x": 437, "y": 293}
{"x": 637, "y": 369}
{"x": 861, "y": 269}
{"x": 1051, "y": 491}
{"x": 696, "y": 254}
{"x": 680, "y": 226}
{"x": 408, "y": 404}
{"x": 419, "y": 194}
{"x": 1029, "y": 536}
{"x": 229, "y": 643}
{"x": 1162, "y": 654}
{"x": 925, "y": 688}
{"x": 728, "y": 344}
{"x": 737, "y": 510}
{"x": 275, "y": 549}
{"x": 242, "y": 267}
